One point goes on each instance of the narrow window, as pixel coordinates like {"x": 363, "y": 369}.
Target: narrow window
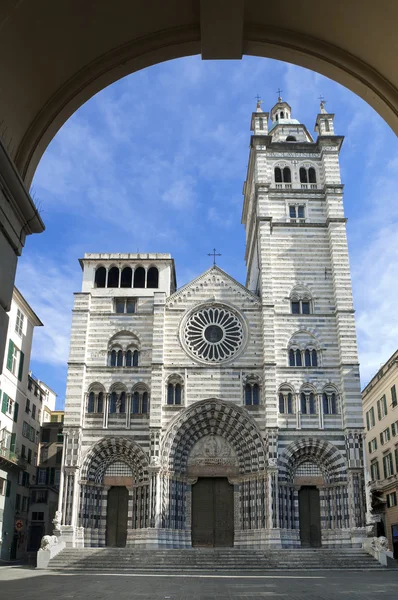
{"x": 327, "y": 128}
{"x": 290, "y": 403}
{"x": 122, "y": 399}
{"x": 248, "y": 394}
{"x": 256, "y": 394}
{"x": 152, "y": 278}
{"x": 295, "y": 307}
{"x": 112, "y": 404}
{"x": 281, "y": 404}
{"x": 290, "y": 138}
{"x": 91, "y": 398}
{"x": 119, "y": 305}
{"x": 303, "y": 175}
{"x": 305, "y": 307}
{"x": 307, "y": 358}
{"x": 300, "y": 212}
{"x": 292, "y": 211}
{"x": 129, "y": 358}
{"x": 314, "y": 358}
{"x": 145, "y": 403}
{"x": 100, "y": 277}
{"x": 298, "y": 358}
{"x": 278, "y": 175}
{"x": 177, "y": 399}
{"x": 100, "y": 403}
{"x": 261, "y": 123}
{"x": 312, "y": 175}
{"x": 170, "y": 394}
{"x": 135, "y": 358}
{"x": 113, "y": 358}
{"x": 312, "y": 404}
{"x": 136, "y": 403}
{"x": 282, "y": 115}
{"x": 130, "y": 306}
{"x": 292, "y": 362}
{"x": 113, "y": 278}
{"x": 126, "y": 277}
{"x": 287, "y": 177}
{"x": 393, "y": 396}
{"x": 303, "y": 403}
{"x": 120, "y": 358}
{"x": 139, "y": 277}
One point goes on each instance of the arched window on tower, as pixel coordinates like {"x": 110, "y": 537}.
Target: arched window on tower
{"x": 113, "y": 358}
{"x": 119, "y": 362}
{"x": 152, "y": 278}
{"x": 278, "y": 175}
{"x": 291, "y": 138}
{"x": 287, "y": 176}
{"x": 135, "y": 358}
{"x": 95, "y": 400}
{"x": 252, "y": 394}
{"x": 174, "y": 391}
{"x": 286, "y": 401}
{"x": 140, "y": 401}
{"x": 129, "y": 358}
{"x": 113, "y": 277}
{"x": 329, "y": 402}
{"x": 126, "y": 277}
{"x": 100, "y": 277}
{"x": 139, "y": 277}
{"x": 312, "y": 175}
{"x": 303, "y": 175}
{"x": 100, "y": 402}
{"x": 307, "y": 403}
{"x": 112, "y": 402}
{"x": 327, "y": 128}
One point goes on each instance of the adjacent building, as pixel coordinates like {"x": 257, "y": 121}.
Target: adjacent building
{"x": 380, "y": 409}
{"x": 19, "y": 430}
{"x": 219, "y": 414}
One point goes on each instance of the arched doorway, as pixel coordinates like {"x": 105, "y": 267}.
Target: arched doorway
{"x": 310, "y": 516}
{"x": 214, "y": 475}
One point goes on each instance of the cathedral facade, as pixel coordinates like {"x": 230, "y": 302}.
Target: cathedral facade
{"x": 220, "y": 414}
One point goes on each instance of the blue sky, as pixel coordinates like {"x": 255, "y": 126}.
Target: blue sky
{"x": 156, "y": 163}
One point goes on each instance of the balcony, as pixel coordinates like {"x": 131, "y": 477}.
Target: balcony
{"x": 9, "y": 460}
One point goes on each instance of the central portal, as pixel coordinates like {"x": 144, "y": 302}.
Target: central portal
{"x": 212, "y": 512}
{"x": 116, "y": 517}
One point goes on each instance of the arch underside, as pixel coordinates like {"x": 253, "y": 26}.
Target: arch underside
{"x": 316, "y": 450}
{"x": 214, "y": 417}
{"x": 361, "y": 58}
{"x": 110, "y": 450}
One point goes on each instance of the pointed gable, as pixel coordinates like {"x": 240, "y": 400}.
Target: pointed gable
{"x": 213, "y": 285}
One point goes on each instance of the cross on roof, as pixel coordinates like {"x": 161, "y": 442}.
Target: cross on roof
{"x": 214, "y": 254}
{"x": 322, "y": 101}
{"x": 279, "y": 95}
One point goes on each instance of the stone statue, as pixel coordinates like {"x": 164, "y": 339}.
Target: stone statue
{"x": 48, "y": 540}
{"x": 380, "y": 543}
{"x": 57, "y": 520}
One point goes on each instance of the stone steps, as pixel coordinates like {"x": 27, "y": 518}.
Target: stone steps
{"x": 203, "y": 560}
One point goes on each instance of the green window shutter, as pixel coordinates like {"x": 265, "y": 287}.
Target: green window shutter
{"x": 10, "y": 353}
{"x": 12, "y": 445}
{"x": 367, "y": 421}
{"x": 4, "y": 403}
{"x": 379, "y": 410}
{"x": 8, "y": 488}
{"x": 385, "y": 404}
{"x": 16, "y": 407}
{"x": 20, "y": 370}
{"x": 396, "y": 459}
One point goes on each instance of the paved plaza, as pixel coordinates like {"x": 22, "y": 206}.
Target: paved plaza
{"x": 30, "y": 584}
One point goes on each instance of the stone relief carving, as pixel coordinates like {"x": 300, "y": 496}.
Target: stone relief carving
{"x": 212, "y": 450}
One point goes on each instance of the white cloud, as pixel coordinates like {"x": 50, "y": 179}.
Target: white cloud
{"x": 48, "y": 287}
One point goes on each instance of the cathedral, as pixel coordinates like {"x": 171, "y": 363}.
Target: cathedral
{"x": 219, "y": 414}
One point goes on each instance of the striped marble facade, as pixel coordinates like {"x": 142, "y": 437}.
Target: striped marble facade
{"x": 272, "y": 453}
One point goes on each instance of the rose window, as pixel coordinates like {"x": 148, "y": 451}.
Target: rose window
{"x": 213, "y": 334}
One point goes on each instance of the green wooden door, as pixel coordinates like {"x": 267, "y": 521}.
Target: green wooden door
{"x": 212, "y": 512}
{"x": 116, "y": 517}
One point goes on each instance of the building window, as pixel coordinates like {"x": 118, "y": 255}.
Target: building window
{"x": 282, "y": 175}
{"x": 126, "y": 278}
{"x": 58, "y": 456}
{"x": 113, "y": 278}
{"x": 15, "y": 360}
{"x": 140, "y": 402}
{"x": 119, "y": 358}
{"x": 42, "y": 476}
{"x": 100, "y": 277}
{"x": 374, "y": 470}
{"x": 296, "y": 211}
{"x": 372, "y": 445}
{"x": 117, "y": 402}
{"x": 7, "y": 405}
{"x": 19, "y": 322}
{"x": 299, "y": 358}
{"x": 252, "y": 394}
{"x": 152, "y": 278}
{"x": 29, "y": 456}
{"x": 370, "y": 418}
{"x": 329, "y": 403}
{"x": 18, "y": 502}
{"x": 388, "y": 466}
{"x": 385, "y": 436}
{"x": 174, "y": 393}
{"x": 300, "y": 306}
{"x": 394, "y": 428}
{"x": 307, "y": 175}
{"x": 3, "y": 485}
{"x": 307, "y": 403}
{"x": 286, "y": 401}
{"x": 391, "y": 499}
{"x": 33, "y": 411}
{"x": 27, "y": 407}
{"x": 382, "y": 407}
{"x": 139, "y": 277}
{"x": 37, "y": 516}
{"x": 125, "y": 306}
{"x": 394, "y": 401}
{"x": 45, "y": 435}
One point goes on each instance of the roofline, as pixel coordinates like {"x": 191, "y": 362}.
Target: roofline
{"x": 394, "y": 358}
{"x": 213, "y": 268}
{"x": 19, "y": 298}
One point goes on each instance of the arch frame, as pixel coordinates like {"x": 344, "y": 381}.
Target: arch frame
{"x": 316, "y": 449}
{"x": 109, "y": 449}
